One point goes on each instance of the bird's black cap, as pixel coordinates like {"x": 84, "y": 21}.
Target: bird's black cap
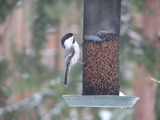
{"x": 65, "y": 37}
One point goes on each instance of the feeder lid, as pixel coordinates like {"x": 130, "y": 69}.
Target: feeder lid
{"x": 100, "y": 100}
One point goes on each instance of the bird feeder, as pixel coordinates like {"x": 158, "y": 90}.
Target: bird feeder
{"x": 101, "y": 38}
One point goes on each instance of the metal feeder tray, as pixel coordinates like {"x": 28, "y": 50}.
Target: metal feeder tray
{"x": 112, "y": 101}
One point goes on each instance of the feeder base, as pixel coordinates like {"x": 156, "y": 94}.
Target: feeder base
{"x": 112, "y": 101}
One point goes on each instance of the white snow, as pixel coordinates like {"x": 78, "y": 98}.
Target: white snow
{"x": 92, "y": 37}
{"x": 105, "y": 115}
{"x": 121, "y": 94}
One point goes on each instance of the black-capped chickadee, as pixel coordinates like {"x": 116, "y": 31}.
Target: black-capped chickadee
{"x": 72, "y": 53}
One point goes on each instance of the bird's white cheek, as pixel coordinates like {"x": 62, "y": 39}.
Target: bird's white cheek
{"x": 68, "y": 43}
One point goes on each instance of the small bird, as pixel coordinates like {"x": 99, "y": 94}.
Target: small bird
{"x": 72, "y": 53}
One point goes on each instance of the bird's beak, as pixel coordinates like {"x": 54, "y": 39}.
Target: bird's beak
{"x": 74, "y": 34}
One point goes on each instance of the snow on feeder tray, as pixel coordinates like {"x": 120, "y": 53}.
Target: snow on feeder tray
{"x": 101, "y": 38}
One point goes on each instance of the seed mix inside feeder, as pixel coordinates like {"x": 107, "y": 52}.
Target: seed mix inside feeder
{"x": 101, "y": 38}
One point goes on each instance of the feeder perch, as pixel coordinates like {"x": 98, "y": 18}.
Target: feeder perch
{"x": 101, "y": 37}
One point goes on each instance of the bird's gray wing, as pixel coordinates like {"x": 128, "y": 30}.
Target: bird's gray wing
{"x": 68, "y": 56}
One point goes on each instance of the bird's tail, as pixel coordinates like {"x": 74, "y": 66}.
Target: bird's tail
{"x": 66, "y": 78}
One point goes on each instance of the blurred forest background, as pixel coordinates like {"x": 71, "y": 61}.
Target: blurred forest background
{"x": 32, "y": 60}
